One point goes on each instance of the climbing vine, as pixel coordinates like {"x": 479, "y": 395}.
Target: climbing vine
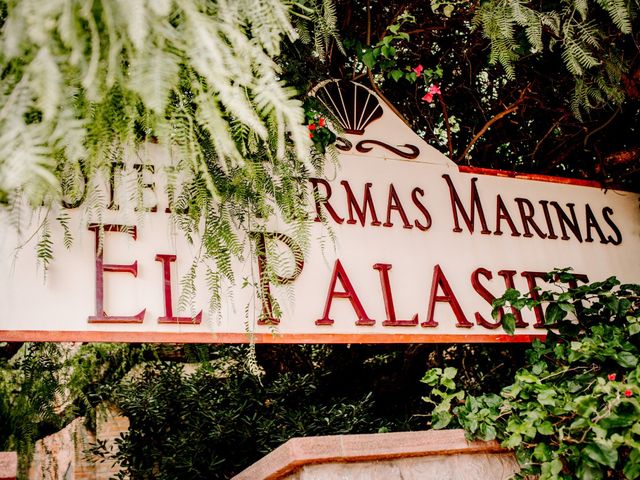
{"x": 572, "y": 411}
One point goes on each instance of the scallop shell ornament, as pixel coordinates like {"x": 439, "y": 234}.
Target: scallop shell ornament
{"x": 353, "y": 106}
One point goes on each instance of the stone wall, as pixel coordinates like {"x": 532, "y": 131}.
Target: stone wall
{"x": 428, "y": 455}
{"x": 8, "y": 465}
{"x": 64, "y": 456}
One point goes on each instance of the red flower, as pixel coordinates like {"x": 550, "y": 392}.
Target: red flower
{"x": 611, "y": 376}
{"x": 312, "y": 126}
{"x": 418, "y": 70}
{"x": 428, "y": 97}
{"x": 310, "y": 135}
{"x": 628, "y": 392}
{"x": 321, "y": 122}
{"x": 433, "y": 89}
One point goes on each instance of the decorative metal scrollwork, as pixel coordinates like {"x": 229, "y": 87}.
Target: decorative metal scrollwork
{"x": 412, "y": 153}
{"x": 343, "y": 144}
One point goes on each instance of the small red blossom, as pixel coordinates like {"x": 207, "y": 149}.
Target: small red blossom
{"x": 628, "y": 392}
{"x": 312, "y": 126}
{"x": 310, "y": 135}
{"x": 611, "y": 376}
{"x": 418, "y": 70}
{"x": 321, "y": 122}
{"x": 428, "y": 98}
{"x": 435, "y": 89}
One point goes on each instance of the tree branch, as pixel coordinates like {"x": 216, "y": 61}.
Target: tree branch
{"x": 510, "y": 109}
{"x": 546, "y": 135}
{"x": 446, "y": 122}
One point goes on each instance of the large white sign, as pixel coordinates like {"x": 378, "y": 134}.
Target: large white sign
{"x": 413, "y": 249}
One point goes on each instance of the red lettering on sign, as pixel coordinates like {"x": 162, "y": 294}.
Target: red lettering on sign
{"x": 485, "y": 294}
{"x": 547, "y": 217}
{"x": 391, "y": 320}
{"x": 267, "y": 316}
{"x": 476, "y": 205}
{"x": 509, "y": 283}
{"x": 395, "y": 204}
{"x": 565, "y": 221}
{"x": 527, "y": 218}
{"x": 323, "y": 201}
{"x": 427, "y": 216}
{"x": 440, "y": 281}
{"x": 533, "y": 292}
{"x": 349, "y": 292}
{"x": 101, "y": 267}
{"x": 606, "y": 212}
{"x": 168, "y": 304}
{"x": 503, "y": 214}
{"x": 367, "y": 204}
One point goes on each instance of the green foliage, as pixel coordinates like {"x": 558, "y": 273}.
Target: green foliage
{"x": 319, "y": 131}
{"x": 218, "y": 419}
{"x": 517, "y": 29}
{"x": 46, "y": 385}
{"x": 382, "y": 57}
{"x": 573, "y": 410}
{"x": 85, "y": 82}
{"x": 264, "y": 393}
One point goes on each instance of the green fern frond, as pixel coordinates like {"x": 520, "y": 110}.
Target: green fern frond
{"x": 44, "y": 248}
{"x": 63, "y": 219}
{"x": 619, "y": 13}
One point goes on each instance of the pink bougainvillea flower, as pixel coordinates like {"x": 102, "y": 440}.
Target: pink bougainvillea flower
{"x": 434, "y": 89}
{"x": 628, "y": 393}
{"x": 312, "y": 126}
{"x": 611, "y": 376}
{"x": 418, "y": 70}
{"x": 428, "y": 98}
{"x": 321, "y": 122}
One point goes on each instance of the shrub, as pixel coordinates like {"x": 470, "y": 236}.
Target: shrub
{"x": 572, "y": 411}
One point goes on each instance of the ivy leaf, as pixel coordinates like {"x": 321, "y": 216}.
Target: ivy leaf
{"x": 550, "y": 470}
{"x": 431, "y": 376}
{"x": 442, "y": 419}
{"x": 526, "y": 377}
{"x": 509, "y": 323}
{"x": 396, "y": 74}
{"x": 545, "y": 428}
{"x": 547, "y": 397}
{"x": 487, "y": 432}
{"x": 513, "y": 441}
{"x": 368, "y": 59}
{"x": 626, "y": 359}
{"x": 554, "y": 313}
{"x": 450, "y": 372}
{"x": 511, "y": 295}
{"x": 567, "y": 307}
{"x": 542, "y": 452}
{"x": 631, "y": 470}
{"x": 602, "y": 453}
{"x": 387, "y": 51}
{"x": 632, "y": 466}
